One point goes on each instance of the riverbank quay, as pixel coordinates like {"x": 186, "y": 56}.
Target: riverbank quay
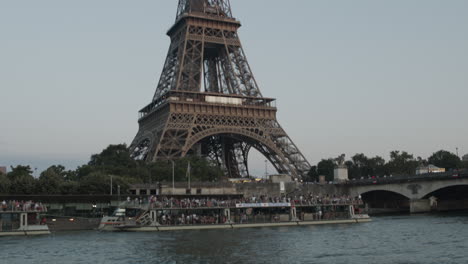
{"x": 99, "y": 205}
{"x": 392, "y": 194}
{"x": 93, "y": 206}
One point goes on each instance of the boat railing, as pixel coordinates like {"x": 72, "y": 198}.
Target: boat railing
{"x": 244, "y": 218}
{"x": 220, "y": 204}
{"x": 21, "y": 211}
{"x": 236, "y": 205}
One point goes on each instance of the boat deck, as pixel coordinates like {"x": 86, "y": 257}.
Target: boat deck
{"x": 238, "y": 226}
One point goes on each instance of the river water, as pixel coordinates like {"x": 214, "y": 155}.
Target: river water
{"x": 440, "y": 239}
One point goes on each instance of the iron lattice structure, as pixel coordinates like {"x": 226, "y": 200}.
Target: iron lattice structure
{"x": 207, "y": 101}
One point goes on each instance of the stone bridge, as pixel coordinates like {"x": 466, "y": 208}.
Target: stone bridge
{"x": 416, "y": 190}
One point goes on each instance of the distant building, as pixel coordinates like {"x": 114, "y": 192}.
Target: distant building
{"x": 3, "y": 170}
{"x": 181, "y": 188}
{"x": 429, "y": 169}
{"x": 281, "y": 178}
{"x": 465, "y": 158}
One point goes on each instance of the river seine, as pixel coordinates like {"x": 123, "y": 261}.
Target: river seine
{"x": 440, "y": 239}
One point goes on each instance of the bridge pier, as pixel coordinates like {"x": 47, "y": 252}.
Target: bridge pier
{"x": 420, "y": 206}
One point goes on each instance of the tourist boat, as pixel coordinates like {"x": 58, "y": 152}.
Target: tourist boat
{"x": 120, "y": 217}
{"x": 231, "y": 216}
{"x": 22, "y": 223}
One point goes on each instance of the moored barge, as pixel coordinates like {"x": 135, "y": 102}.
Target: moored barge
{"x": 231, "y": 215}
{"x": 22, "y": 223}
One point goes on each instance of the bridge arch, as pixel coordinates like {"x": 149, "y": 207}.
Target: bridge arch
{"x": 398, "y": 189}
{"x": 448, "y": 197}
{"x": 450, "y": 191}
{"x": 384, "y": 201}
{"x": 384, "y": 191}
{"x": 443, "y": 186}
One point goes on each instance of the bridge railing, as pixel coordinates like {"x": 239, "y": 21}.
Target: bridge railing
{"x": 450, "y": 175}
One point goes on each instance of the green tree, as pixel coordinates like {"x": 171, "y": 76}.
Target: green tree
{"x": 445, "y": 159}
{"x": 84, "y": 170}
{"x": 114, "y": 160}
{"x": 362, "y": 166}
{"x": 401, "y": 163}
{"x": 201, "y": 170}
{"x": 422, "y": 162}
{"x": 5, "y": 184}
{"x": 353, "y": 172}
{"x": 376, "y": 166}
{"x": 312, "y": 175}
{"x": 22, "y": 181}
{"x": 359, "y": 165}
{"x": 94, "y": 183}
{"x": 19, "y": 171}
{"x": 51, "y": 180}
{"x": 161, "y": 171}
{"x": 70, "y": 187}
{"x": 326, "y": 167}
{"x": 204, "y": 170}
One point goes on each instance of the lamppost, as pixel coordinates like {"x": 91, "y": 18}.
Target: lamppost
{"x": 188, "y": 174}
{"x": 150, "y": 179}
{"x": 118, "y": 192}
{"x": 173, "y": 187}
{"x": 111, "y": 185}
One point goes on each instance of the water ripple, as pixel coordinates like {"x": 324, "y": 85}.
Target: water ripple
{"x": 428, "y": 239}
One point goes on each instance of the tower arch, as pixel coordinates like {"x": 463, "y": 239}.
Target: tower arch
{"x": 234, "y": 137}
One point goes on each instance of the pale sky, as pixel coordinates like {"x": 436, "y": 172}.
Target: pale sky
{"x": 367, "y": 76}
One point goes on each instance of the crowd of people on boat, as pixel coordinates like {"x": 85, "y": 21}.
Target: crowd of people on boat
{"x": 196, "y": 202}
{"x": 311, "y": 199}
{"x": 208, "y": 216}
{"x": 22, "y": 206}
{"x": 191, "y": 219}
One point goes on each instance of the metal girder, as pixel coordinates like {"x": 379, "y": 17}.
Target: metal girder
{"x": 206, "y": 59}
{"x": 206, "y": 46}
{"x": 220, "y": 8}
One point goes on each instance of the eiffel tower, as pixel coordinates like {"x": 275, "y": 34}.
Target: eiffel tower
{"x": 207, "y": 101}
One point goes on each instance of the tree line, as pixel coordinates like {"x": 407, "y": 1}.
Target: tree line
{"x": 400, "y": 163}
{"x": 94, "y": 177}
